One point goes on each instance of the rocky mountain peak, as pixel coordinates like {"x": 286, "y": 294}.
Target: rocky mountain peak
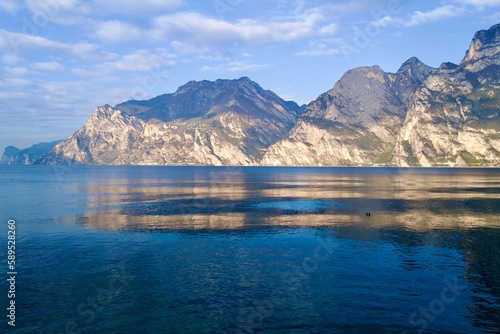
{"x": 217, "y": 86}
{"x": 414, "y": 68}
{"x": 246, "y": 81}
{"x": 104, "y": 111}
{"x": 413, "y": 62}
{"x": 409, "y": 77}
{"x": 484, "y": 50}
{"x": 448, "y": 66}
{"x": 360, "y": 99}
{"x": 448, "y": 69}
{"x": 205, "y": 99}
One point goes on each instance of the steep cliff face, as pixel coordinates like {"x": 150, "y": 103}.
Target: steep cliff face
{"x": 450, "y": 123}
{"x": 483, "y": 51}
{"x": 454, "y": 117}
{"x": 356, "y": 122}
{"x": 107, "y": 136}
{"x": 419, "y": 116}
{"x": 209, "y": 123}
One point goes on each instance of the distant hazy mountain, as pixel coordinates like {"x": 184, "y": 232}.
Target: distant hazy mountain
{"x": 418, "y": 116}
{"x": 28, "y": 156}
{"x": 8, "y": 153}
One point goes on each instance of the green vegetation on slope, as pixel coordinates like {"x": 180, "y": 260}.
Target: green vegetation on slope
{"x": 412, "y": 159}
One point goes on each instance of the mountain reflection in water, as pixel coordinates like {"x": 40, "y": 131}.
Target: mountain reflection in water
{"x": 256, "y": 249}
{"x": 396, "y": 198}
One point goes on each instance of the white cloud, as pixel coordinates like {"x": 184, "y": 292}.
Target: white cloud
{"x": 236, "y": 66}
{"x": 83, "y": 48}
{"x": 140, "y": 6}
{"x": 418, "y": 17}
{"x": 47, "y": 103}
{"x": 12, "y": 95}
{"x": 16, "y": 42}
{"x": 224, "y": 56}
{"x": 117, "y": 32}
{"x": 82, "y": 72}
{"x": 53, "y": 7}
{"x": 204, "y": 31}
{"x": 17, "y": 70}
{"x": 186, "y": 48}
{"x": 329, "y": 29}
{"x": 15, "y": 82}
{"x": 388, "y": 21}
{"x": 322, "y": 47}
{"x": 325, "y": 51}
{"x": 140, "y": 61}
{"x": 48, "y": 66}
{"x": 66, "y": 12}
{"x": 10, "y": 59}
{"x": 80, "y": 12}
{"x": 480, "y": 3}
{"x": 443, "y": 12}
{"x": 10, "y": 6}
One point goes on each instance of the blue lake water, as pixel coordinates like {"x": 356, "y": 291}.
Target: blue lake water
{"x": 252, "y": 250}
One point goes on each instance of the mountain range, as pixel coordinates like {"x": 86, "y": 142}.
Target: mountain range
{"x": 28, "y": 156}
{"x": 418, "y": 116}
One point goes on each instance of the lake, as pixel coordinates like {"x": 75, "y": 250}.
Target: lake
{"x": 120, "y": 249}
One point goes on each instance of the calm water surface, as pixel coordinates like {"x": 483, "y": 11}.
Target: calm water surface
{"x": 252, "y": 250}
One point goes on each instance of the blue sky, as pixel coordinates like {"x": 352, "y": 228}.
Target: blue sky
{"x": 59, "y": 59}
